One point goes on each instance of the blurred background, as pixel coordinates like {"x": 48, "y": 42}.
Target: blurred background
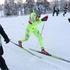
{"x": 21, "y": 7}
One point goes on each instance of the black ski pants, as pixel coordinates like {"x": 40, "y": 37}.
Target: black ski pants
{"x": 3, "y": 65}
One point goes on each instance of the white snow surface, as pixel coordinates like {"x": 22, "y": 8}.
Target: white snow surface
{"x": 56, "y": 39}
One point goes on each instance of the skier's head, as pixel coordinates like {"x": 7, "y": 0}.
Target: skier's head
{"x": 34, "y": 15}
{"x": 37, "y": 11}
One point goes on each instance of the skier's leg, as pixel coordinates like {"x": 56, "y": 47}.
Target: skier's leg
{"x": 38, "y": 35}
{"x": 64, "y": 13}
{"x": 57, "y": 13}
{"x": 27, "y": 35}
{"x": 3, "y": 65}
{"x": 1, "y": 50}
{"x": 53, "y": 13}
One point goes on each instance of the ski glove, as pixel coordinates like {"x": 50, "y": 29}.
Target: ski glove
{"x": 44, "y": 18}
{"x": 7, "y": 40}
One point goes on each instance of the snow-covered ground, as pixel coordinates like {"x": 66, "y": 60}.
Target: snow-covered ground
{"x": 56, "y": 38}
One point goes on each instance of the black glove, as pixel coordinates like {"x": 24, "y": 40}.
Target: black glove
{"x": 7, "y": 40}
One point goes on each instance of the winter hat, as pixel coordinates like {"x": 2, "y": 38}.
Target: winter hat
{"x": 37, "y": 11}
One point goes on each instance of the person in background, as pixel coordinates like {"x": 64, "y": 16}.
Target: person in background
{"x": 3, "y": 65}
{"x": 55, "y": 10}
{"x": 65, "y": 9}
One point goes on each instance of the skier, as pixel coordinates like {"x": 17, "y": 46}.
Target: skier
{"x": 55, "y": 10}
{"x": 3, "y": 65}
{"x": 32, "y": 28}
{"x": 65, "y": 9}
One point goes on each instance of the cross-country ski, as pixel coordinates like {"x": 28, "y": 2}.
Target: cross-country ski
{"x": 50, "y": 55}
{"x": 26, "y": 50}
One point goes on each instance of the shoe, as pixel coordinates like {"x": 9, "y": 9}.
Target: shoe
{"x": 44, "y": 52}
{"x": 20, "y": 43}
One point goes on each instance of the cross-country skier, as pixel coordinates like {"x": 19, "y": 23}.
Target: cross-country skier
{"x": 65, "y": 9}
{"x": 32, "y": 28}
{"x": 55, "y": 10}
{"x": 3, "y": 65}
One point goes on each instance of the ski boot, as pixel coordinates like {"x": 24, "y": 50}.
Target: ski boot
{"x": 44, "y": 52}
{"x": 20, "y": 43}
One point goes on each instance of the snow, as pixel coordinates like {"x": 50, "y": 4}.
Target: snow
{"x": 56, "y": 38}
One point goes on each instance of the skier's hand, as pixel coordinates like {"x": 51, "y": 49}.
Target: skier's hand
{"x": 44, "y": 18}
{"x": 30, "y": 22}
{"x": 7, "y": 40}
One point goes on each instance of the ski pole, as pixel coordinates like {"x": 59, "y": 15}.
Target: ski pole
{"x": 42, "y": 28}
{"x": 14, "y": 43}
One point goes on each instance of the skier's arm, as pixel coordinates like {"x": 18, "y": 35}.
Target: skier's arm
{"x": 6, "y": 39}
{"x": 42, "y": 19}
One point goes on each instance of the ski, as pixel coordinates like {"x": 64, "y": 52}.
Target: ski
{"x": 26, "y": 50}
{"x": 50, "y": 55}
